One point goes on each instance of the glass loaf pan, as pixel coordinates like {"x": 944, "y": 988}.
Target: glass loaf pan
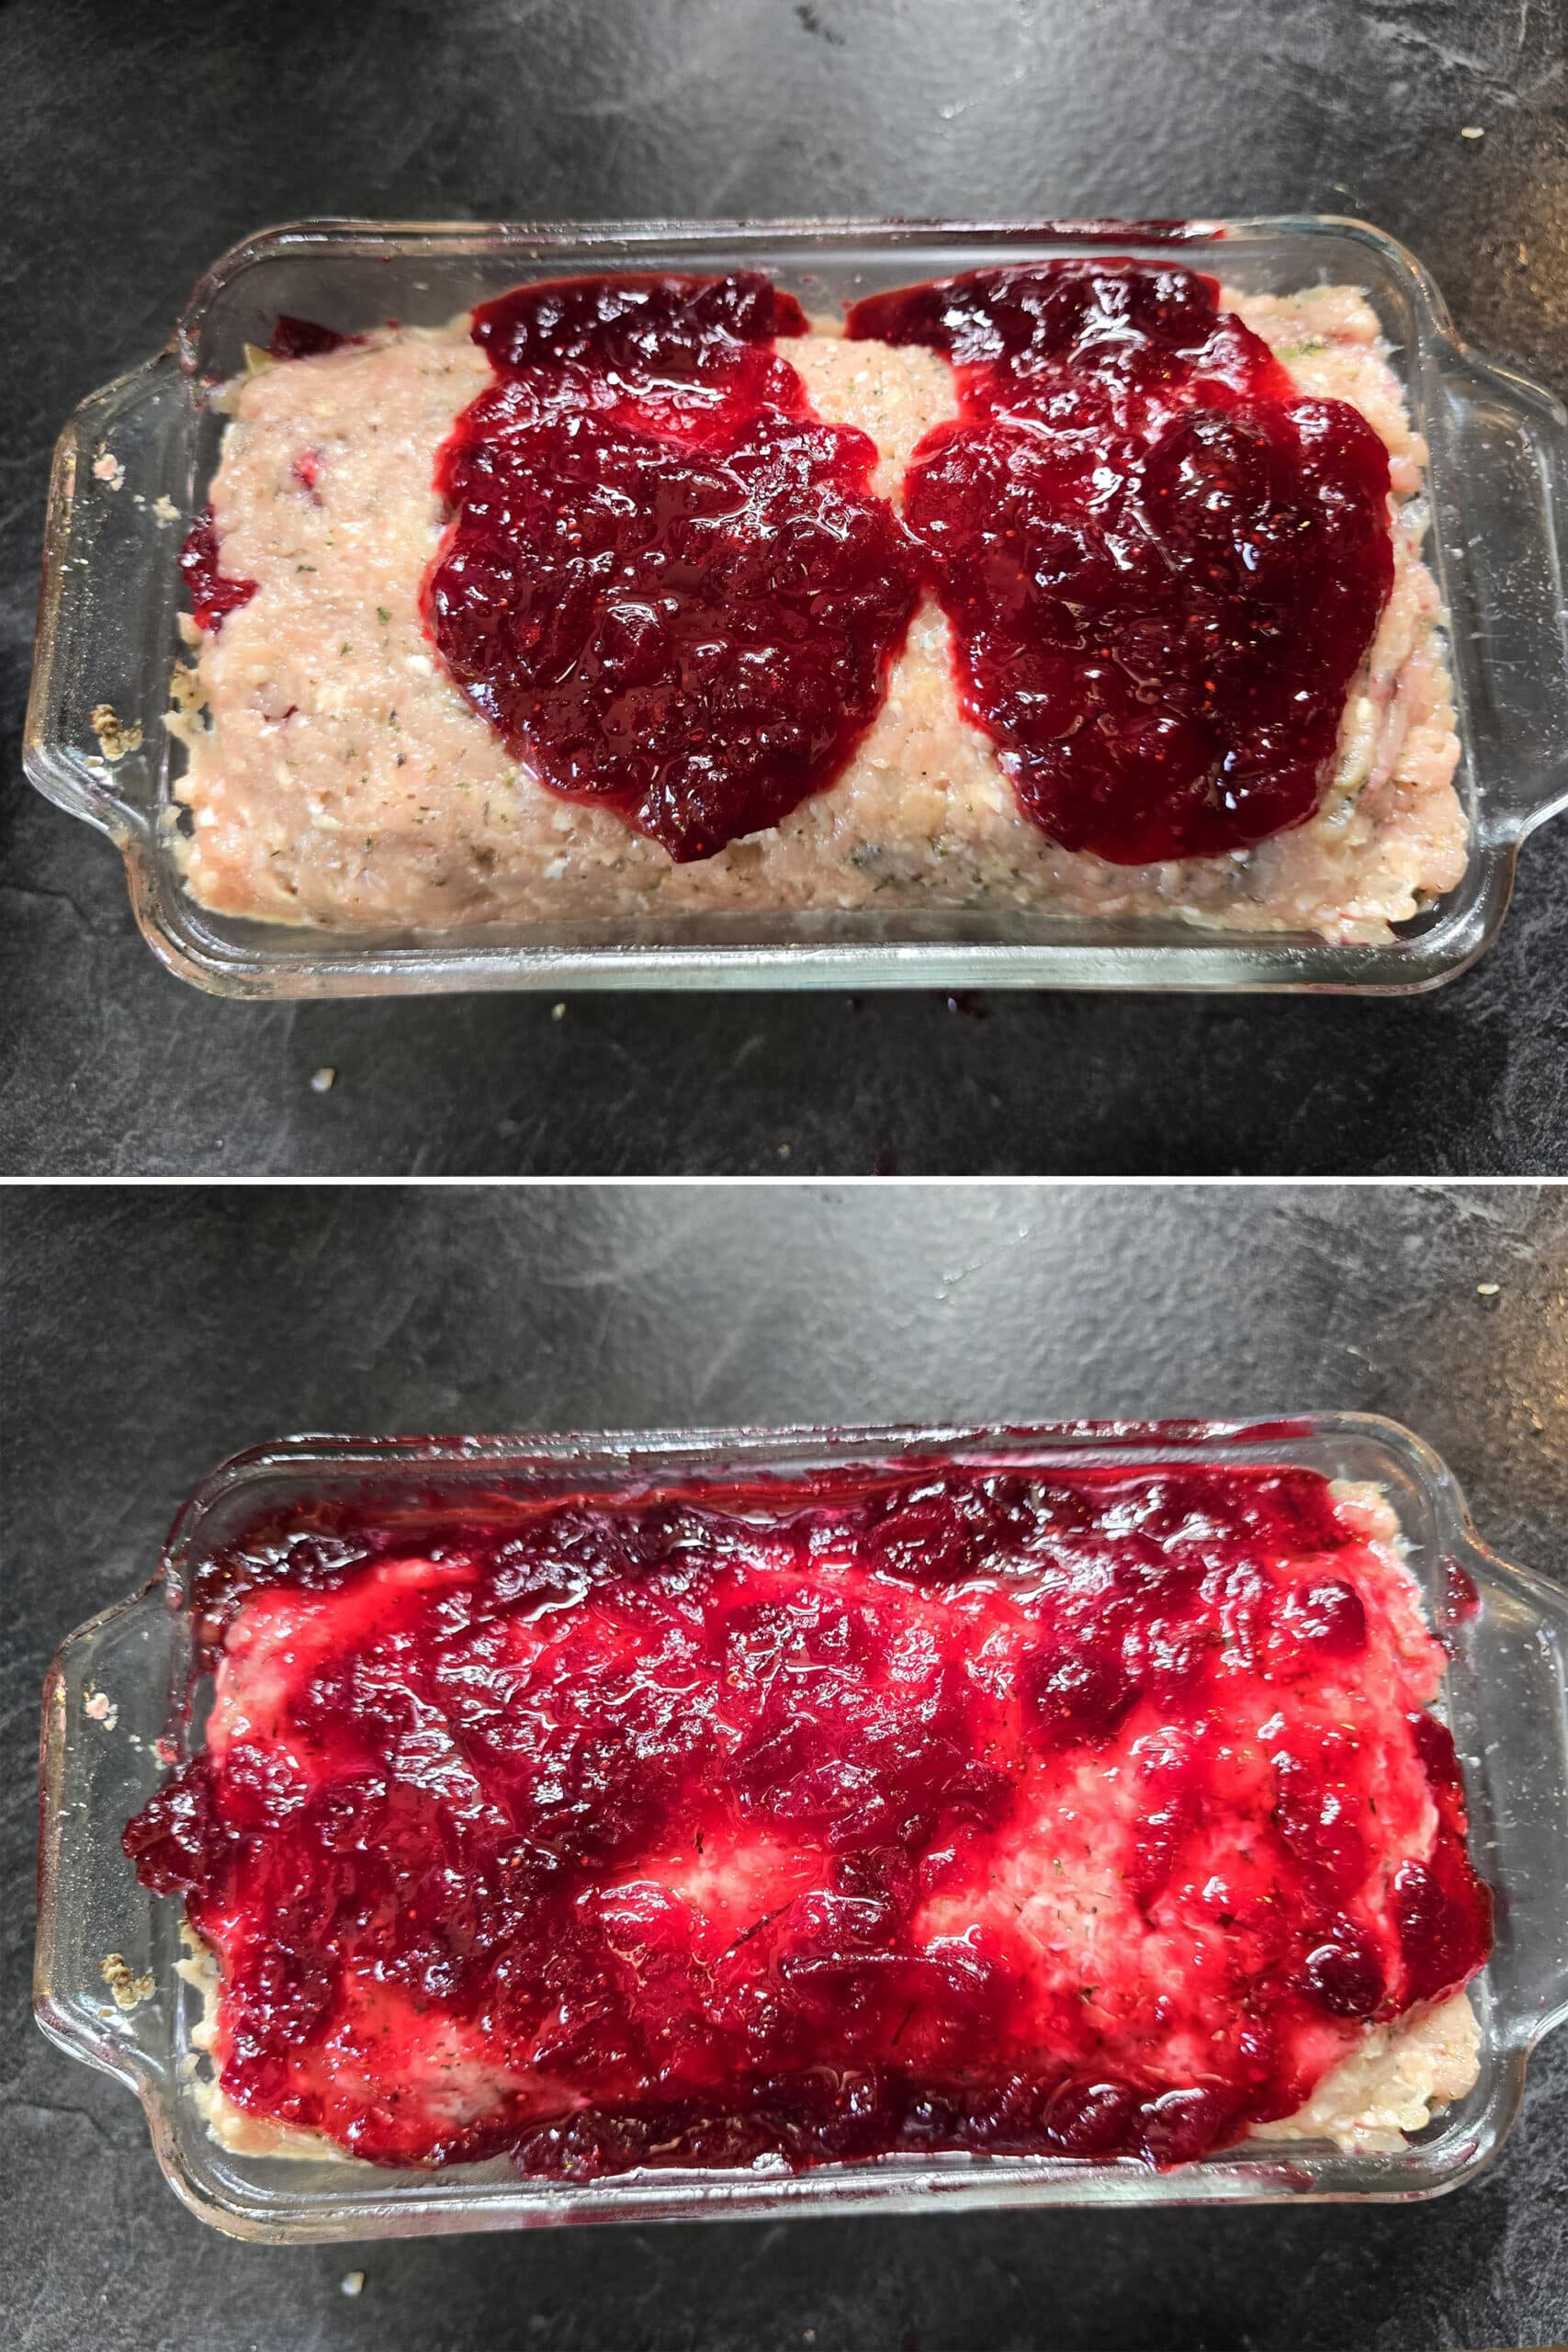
{"x": 1506, "y": 1698}
{"x": 111, "y": 592}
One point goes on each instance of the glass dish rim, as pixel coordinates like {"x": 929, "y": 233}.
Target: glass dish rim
{"x": 761, "y": 950}
{"x": 632, "y": 1461}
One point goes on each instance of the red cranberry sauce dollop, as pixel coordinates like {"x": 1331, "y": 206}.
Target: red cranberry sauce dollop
{"x": 665, "y": 584}
{"x": 1161, "y": 565}
{"x": 1091, "y": 1814}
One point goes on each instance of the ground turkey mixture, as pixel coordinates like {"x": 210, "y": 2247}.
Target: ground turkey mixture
{"x": 342, "y": 776}
{"x": 1095, "y": 1813}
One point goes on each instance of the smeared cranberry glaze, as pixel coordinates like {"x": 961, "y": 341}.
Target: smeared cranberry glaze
{"x": 1162, "y": 566}
{"x": 211, "y": 593}
{"x": 921, "y": 1808}
{"x": 665, "y": 586}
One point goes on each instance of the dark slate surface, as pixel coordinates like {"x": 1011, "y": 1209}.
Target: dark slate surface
{"x": 142, "y": 141}
{"x": 154, "y": 1331}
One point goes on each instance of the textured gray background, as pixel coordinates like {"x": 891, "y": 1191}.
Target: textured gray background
{"x": 152, "y": 1332}
{"x": 141, "y": 139}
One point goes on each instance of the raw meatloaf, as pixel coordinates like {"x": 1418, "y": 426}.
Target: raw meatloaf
{"x": 364, "y": 752}
{"x": 1099, "y": 1816}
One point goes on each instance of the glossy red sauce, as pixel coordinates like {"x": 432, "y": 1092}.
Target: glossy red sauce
{"x": 211, "y": 593}
{"x": 665, "y": 584}
{"x": 1162, "y": 566}
{"x": 1089, "y": 1815}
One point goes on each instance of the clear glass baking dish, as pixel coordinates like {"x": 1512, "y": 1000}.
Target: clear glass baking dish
{"x": 1506, "y": 1698}
{"x": 107, "y": 633}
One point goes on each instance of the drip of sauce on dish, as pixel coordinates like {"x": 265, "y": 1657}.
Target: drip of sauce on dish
{"x": 665, "y": 584}
{"x": 1091, "y": 1815}
{"x": 1461, "y": 1599}
{"x": 1162, "y": 566}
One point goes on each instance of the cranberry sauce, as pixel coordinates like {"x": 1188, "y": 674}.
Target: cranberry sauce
{"x": 1092, "y": 1814}
{"x": 1162, "y": 567}
{"x": 665, "y": 586}
{"x": 294, "y": 338}
{"x": 212, "y": 595}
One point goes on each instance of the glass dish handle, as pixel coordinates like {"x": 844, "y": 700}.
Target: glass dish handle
{"x": 1505, "y": 535}
{"x": 119, "y": 488}
{"x": 1519, "y": 1640}
{"x": 99, "y": 1988}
